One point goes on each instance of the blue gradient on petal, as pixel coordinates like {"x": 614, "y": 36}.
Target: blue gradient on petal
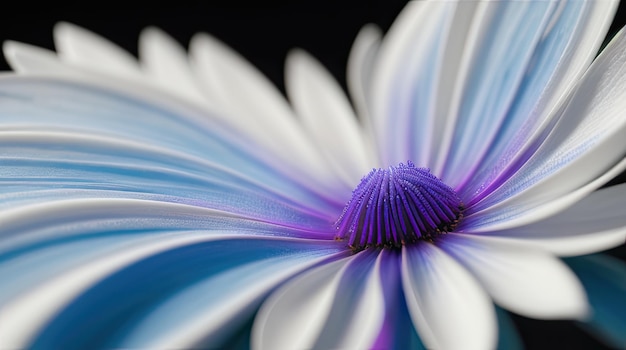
{"x": 111, "y": 307}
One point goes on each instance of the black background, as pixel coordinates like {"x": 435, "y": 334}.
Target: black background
{"x": 263, "y": 33}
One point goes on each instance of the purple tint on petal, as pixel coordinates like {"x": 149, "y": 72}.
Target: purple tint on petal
{"x": 397, "y": 331}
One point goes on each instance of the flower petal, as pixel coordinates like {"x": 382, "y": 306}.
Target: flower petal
{"x": 604, "y": 279}
{"x": 255, "y": 105}
{"x": 147, "y": 275}
{"x": 327, "y": 115}
{"x": 165, "y": 60}
{"x": 593, "y": 224}
{"x": 522, "y": 279}
{"x": 404, "y": 78}
{"x": 150, "y": 119}
{"x": 569, "y": 44}
{"x": 77, "y": 165}
{"x": 300, "y": 157}
{"x": 359, "y": 75}
{"x": 443, "y": 297}
{"x": 397, "y": 331}
{"x": 86, "y": 49}
{"x": 586, "y": 142}
{"x": 336, "y": 306}
{"x": 498, "y": 49}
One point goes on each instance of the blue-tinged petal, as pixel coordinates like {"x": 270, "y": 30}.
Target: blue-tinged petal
{"x": 567, "y": 47}
{"x": 198, "y": 313}
{"x": 335, "y": 306}
{"x": 443, "y": 297}
{"x": 86, "y": 109}
{"x": 595, "y": 223}
{"x": 520, "y": 278}
{"x": 29, "y": 228}
{"x": 586, "y": 143}
{"x": 497, "y": 52}
{"x": 126, "y": 288}
{"x": 397, "y": 331}
{"x": 37, "y": 159}
{"x": 604, "y": 279}
{"x": 137, "y": 113}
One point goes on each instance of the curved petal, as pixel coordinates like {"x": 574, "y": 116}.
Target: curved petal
{"x": 284, "y": 143}
{"x": 443, "y": 297}
{"x": 86, "y": 49}
{"x": 254, "y": 104}
{"x": 29, "y": 59}
{"x": 359, "y": 75}
{"x": 569, "y": 43}
{"x": 604, "y": 279}
{"x": 404, "y": 78}
{"x": 33, "y": 226}
{"x": 80, "y": 163}
{"x": 507, "y": 218}
{"x": 593, "y": 224}
{"x": 498, "y": 49}
{"x": 336, "y": 306}
{"x": 522, "y": 279}
{"x": 327, "y": 116}
{"x": 147, "y": 275}
{"x": 151, "y": 119}
{"x": 586, "y": 142}
{"x": 165, "y": 60}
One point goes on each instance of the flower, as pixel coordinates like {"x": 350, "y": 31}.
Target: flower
{"x": 174, "y": 204}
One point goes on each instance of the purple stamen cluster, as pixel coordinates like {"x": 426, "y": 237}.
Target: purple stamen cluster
{"x": 397, "y": 206}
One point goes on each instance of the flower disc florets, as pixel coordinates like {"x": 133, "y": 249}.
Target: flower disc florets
{"x": 397, "y": 206}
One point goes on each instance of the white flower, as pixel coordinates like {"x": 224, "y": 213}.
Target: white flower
{"x": 161, "y": 202}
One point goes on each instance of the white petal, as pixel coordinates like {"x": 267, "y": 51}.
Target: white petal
{"x": 594, "y": 224}
{"x": 586, "y": 142}
{"x": 79, "y": 46}
{"x": 520, "y": 278}
{"x": 449, "y": 308}
{"x": 336, "y": 306}
{"x": 25, "y": 58}
{"x": 166, "y": 62}
{"x": 34, "y": 308}
{"x": 403, "y": 80}
{"x": 568, "y": 46}
{"x": 359, "y": 75}
{"x": 207, "y": 308}
{"x": 327, "y": 115}
{"x": 498, "y": 49}
{"x": 256, "y": 106}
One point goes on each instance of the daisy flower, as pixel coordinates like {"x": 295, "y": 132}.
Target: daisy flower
{"x": 181, "y": 201}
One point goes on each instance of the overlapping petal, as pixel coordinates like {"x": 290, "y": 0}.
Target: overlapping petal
{"x": 523, "y": 279}
{"x": 149, "y": 277}
{"x": 442, "y": 296}
{"x": 339, "y": 305}
{"x": 586, "y": 142}
{"x": 186, "y": 185}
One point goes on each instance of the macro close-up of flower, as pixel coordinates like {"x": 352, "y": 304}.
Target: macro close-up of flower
{"x": 459, "y": 182}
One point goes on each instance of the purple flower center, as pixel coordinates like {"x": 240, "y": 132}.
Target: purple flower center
{"x": 396, "y": 206}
